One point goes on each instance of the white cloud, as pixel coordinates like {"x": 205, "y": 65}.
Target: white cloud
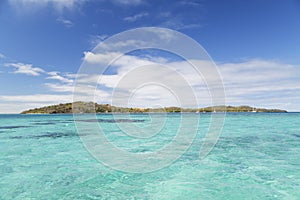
{"x": 178, "y": 24}
{"x": 37, "y": 98}
{"x": 100, "y": 58}
{"x": 67, "y": 23}
{"x": 84, "y": 91}
{"x": 60, "y": 87}
{"x": 19, "y": 103}
{"x": 178, "y": 21}
{"x": 13, "y": 108}
{"x": 56, "y": 76}
{"x": 141, "y": 40}
{"x": 28, "y": 69}
{"x": 253, "y": 82}
{"x": 122, "y": 62}
{"x": 190, "y": 3}
{"x": 59, "y": 5}
{"x": 164, "y": 34}
{"x": 2, "y": 55}
{"x": 96, "y": 39}
{"x": 128, "y": 2}
{"x": 136, "y": 17}
{"x": 129, "y": 75}
{"x": 119, "y": 45}
{"x": 260, "y": 83}
{"x": 260, "y": 75}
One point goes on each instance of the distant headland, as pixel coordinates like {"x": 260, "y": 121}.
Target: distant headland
{"x": 91, "y": 107}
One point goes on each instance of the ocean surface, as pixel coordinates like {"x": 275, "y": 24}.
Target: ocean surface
{"x": 257, "y": 157}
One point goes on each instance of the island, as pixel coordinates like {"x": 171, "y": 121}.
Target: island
{"x": 92, "y": 107}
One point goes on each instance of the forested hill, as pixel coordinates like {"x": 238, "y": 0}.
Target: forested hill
{"x": 90, "y": 107}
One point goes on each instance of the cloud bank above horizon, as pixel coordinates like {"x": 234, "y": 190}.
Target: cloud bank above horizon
{"x": 255, "y": 82}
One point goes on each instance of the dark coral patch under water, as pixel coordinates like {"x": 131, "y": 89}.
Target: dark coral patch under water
{"x": 52, "y": 135}
{"x": 296, "y": 135}
{"x": 44, "y": 123}
{"x": 13, "y": 127}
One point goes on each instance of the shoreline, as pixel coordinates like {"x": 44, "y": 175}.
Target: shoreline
{"x": 110, "y": 113}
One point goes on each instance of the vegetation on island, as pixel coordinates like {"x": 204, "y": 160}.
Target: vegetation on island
{"x": 91, "y": 107}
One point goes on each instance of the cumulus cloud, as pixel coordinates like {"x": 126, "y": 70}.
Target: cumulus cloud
{"x": 253, "y": 82}
{"x": 99, "y": 58}
{"x": 56, "y": 76}
{"x": 28, "y": 69}
{"x": 260, "y": 76}
{"x": 132, "y": 71}
{"x": 262, "y": 83}
{"x": 56, "y": 87}
{"x": 149, "y": 81}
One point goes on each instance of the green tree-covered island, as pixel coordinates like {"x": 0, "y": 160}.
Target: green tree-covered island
{"x": 91, "y": 107}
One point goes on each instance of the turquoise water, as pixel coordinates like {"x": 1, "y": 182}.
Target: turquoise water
{"x": 256, "y": 157}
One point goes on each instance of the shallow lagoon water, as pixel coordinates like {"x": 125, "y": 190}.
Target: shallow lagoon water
{"x": 256, "y": 157}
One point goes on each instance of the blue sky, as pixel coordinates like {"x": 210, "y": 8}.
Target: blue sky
{"x": 255, "y": 45}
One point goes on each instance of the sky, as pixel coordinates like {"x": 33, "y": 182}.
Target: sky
{"x": 254, "y": 44}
